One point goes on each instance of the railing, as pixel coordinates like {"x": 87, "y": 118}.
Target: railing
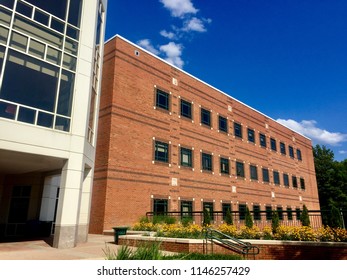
{"x": 231, "y": 243}
{"x": 261, "y": 219}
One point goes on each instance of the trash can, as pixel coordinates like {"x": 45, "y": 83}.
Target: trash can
{"x": 119, "y": 231}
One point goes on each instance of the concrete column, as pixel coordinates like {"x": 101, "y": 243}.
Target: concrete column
{"x": 49, "y": 198}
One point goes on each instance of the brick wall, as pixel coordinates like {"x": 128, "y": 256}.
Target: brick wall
{"x": 127, "y": 178}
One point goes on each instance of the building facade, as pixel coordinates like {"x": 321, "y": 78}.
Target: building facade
{"x": 167, "y": 141}
{"x": 50, "y": 68}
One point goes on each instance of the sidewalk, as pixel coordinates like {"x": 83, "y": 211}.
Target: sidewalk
{"x": 40, "y": 250}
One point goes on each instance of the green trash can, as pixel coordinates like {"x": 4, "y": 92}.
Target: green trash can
{"x": 119, "y": 231}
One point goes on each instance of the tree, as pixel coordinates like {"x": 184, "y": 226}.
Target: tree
{"x": 335, "y": 217}
{"x": 305, "y": 219}
{"x": 249, "y": 220}
{"x": 207, "y": 218}
{"x": 228, "y": 218}
{"x": 275, "y": 221}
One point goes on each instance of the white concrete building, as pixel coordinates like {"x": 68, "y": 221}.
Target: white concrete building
{"x": 50, "y": 68}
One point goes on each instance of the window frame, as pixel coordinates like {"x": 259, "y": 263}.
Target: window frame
{"x": 283, "y": 148}
{"x": 226, "y": 161}
{"x": 298, "y": 154}
{"x": 254, "y": 167}
{"x": 190, "y": 157}
{"x": 158, "y": 105}
{"x": 221, "y": 120}
{"x": 166, "y": 147}
{"x": 242, "y": 211}
{"x": 161, "y": 201}
{"x": 265, "y": 171}
{"x": 286, "y": 182}
{"x": 209, "y": 157}
{"x": 252, "y": 138}
{"x": 240, "y": 172}
{"x": 294, "y": 182}
{"x": 276, "y": 176}
{"x": 273, "y": 144}
{"x": 238, "y": 130}
{"x": 189, "y": 205}
{"x": 256, "y": 212}
{"x": 205, "y": 112}
{"x": 262, "y": 140}
{"x": 189, "y": 115}
{"x": 291, "y": 151}
{"x": 302, "y": 183}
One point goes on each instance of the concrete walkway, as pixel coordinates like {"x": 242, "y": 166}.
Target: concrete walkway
{"x": 40, "y": 250}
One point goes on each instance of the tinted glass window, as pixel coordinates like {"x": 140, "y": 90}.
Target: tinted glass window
{"x": 273, "y": 144}
{"x": 266, "y": 177}
{"x": 162, "y": 99}
{"x": 276, "y": 177}
{"x": 240, "y": 170}
{"x": 186, "y": 109}
{"x": 250, "y": 133}
{"x": 254, "y": 172}
{"x": 205, "y": 117}
{"x": 66, "y": 93}
{"x": 7, "y": 3}
{"x": 262, "y": 140}
{"x": 161, "y": 151}
{"x": 206, "y": 161}
{"x": 283, "y": 148}
{"x": 238, "y": 130}
{"x": 224, "y": 165}
{"x": 223, "y": 124}
{"x": 57, "y": 8}
{"x": 186, "y": 157}
{"x": 75, "y": 12}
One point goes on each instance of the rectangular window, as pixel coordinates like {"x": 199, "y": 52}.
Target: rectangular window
{"x": 237, "y": 130}
{"x": 240, "y": 169}
{"x": 302, "y": 183}
{"x": 186, "y": 109}
{"x": 276, "y": 177}
{"x": 283, "y": 148}
{"x": 223, "y": 124}
{"x": 298, "y": 154}
{"x": 295, "y": 182}
{"x": 160, "y": 206}
{"x": 205, "y": 117}
{"x": 162, "y": 100}
{"x": 206, "y": 161}
{"x": 256, "y": 212}
{"x": 262, "y": 140}
{"x": 291, "y": 152}
{"x": 186, "y": 157}
{"x": 224, "y": 166}
{"x": 187, "y": 209}
{"x": 242, "y": 211}
{"x": 254, "y": 172}
{"x": 268, "y": 211}
{"x": 250, "y": 133}
{"x": 208, "y": 206}
{"x": 285, "y": 180}
{"x": 280, "y": 212}
{"x": 161, "y": 151}
{"x": 266, "y": 177}
{"x": 289, "y": 213}
{"x": 273, "y": 144}
{"x": 225, "y": 208}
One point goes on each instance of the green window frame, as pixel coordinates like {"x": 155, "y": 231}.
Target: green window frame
{"x": 161, "y": 151}
{"x": 206, "y": 162}
{"x": 186, "y": 157}
{"x": 224, "y": 166}
{"x": 240, "y": 169}
{"x": 162, "y": 99}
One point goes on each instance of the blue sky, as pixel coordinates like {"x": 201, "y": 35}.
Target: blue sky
{"x": 285, "y": 58}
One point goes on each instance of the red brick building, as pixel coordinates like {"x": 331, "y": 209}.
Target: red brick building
{"x": 167, "y": 141}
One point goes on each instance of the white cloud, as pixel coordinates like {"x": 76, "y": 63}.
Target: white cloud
{"x": 173, "y": 53}
{"x": 179, "y": 8}
{"x": 343, "y": 152}
{"x": 146, "y": 44}
{"x": 194, "y": 24}
{"x": 309, "y": 129}
{"x": 166, "y": 34}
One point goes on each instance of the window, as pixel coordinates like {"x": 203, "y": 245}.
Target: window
{"x": 206, "y": 161}
{"x": 162, "y": 100}
{"x": 295, "y": 182}
{"x": 280, "y": 212}
{"x": 240, "y": 170}
{"x": 208, "y": 206}
{"x": 298, "y": 154}
{"x": 186, "y": 157}
{"x": 262, "y": 140}
{"x": 161, "y": 151}
{"x": 160, "y": 206}
{"x": 237, "y": 130}
{"x": 187, "y": 209}
{"x": 276, "y": 177}
{"x": 266, "y": 177}
{"x": 224, "y": 166}
{"x": 242, "y": 211}
{"x": 268, "y": 212}
{"x": 205, "y": 117}
{"x": 186, "y": 109}
{"x": 250, "y": 134}
{"x": 254, "y": 172}
{"x": 225, "y": 208}
{"x": 291, "y": 152}
{"x": 302, "y": 183}
{"x": 273, "y": 144}
{"x": 298, "y": 214}
{"x": 283, "y": 148}
{"x": 286, "y": 180}
{"x": 256, "y": 212}
{"x": 223, "y": 124}
{"x": 289, "y": 213}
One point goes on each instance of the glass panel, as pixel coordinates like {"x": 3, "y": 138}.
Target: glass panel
{"x": 7, "y": 110}
{"x": 57, "y": 25}
{"x": 37, "y": 49}
{"x": 69, "y": 62}
{"x": 75, "y": 11}
{"x": 38, "y": 32}
{"x": 2, "y": 53}
{"x": 24, "y": 9}
{"x": 62, "y": 124}
{"x": 26, "y": 115}
{"x": 38, "y": 84}
{"x": 66, "y": 93}
{"x": 71, "y": 46}
{"x": 45, "y": 120}
{"x": 41, "y": 17}
{"x": 53, "y": 55}
{"x": 72, "y": 32}
{"x": 5, "y": 17}
{"x": 3, "y": 35}
{"x": 19, "y": 41}
{"x": 57, "y": 8}
{"x": 7, "y": 3}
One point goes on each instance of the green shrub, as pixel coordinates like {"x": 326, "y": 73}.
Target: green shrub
{"x": 275, "y": 221}
{"x": 207, "y": 218}
{"x": 198, "y": 256}
{"x": 228, "y": 218}
{"x": 305, "y": 219}
{"x": 164, "y": 219}
{"x": 249, "y": 220}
